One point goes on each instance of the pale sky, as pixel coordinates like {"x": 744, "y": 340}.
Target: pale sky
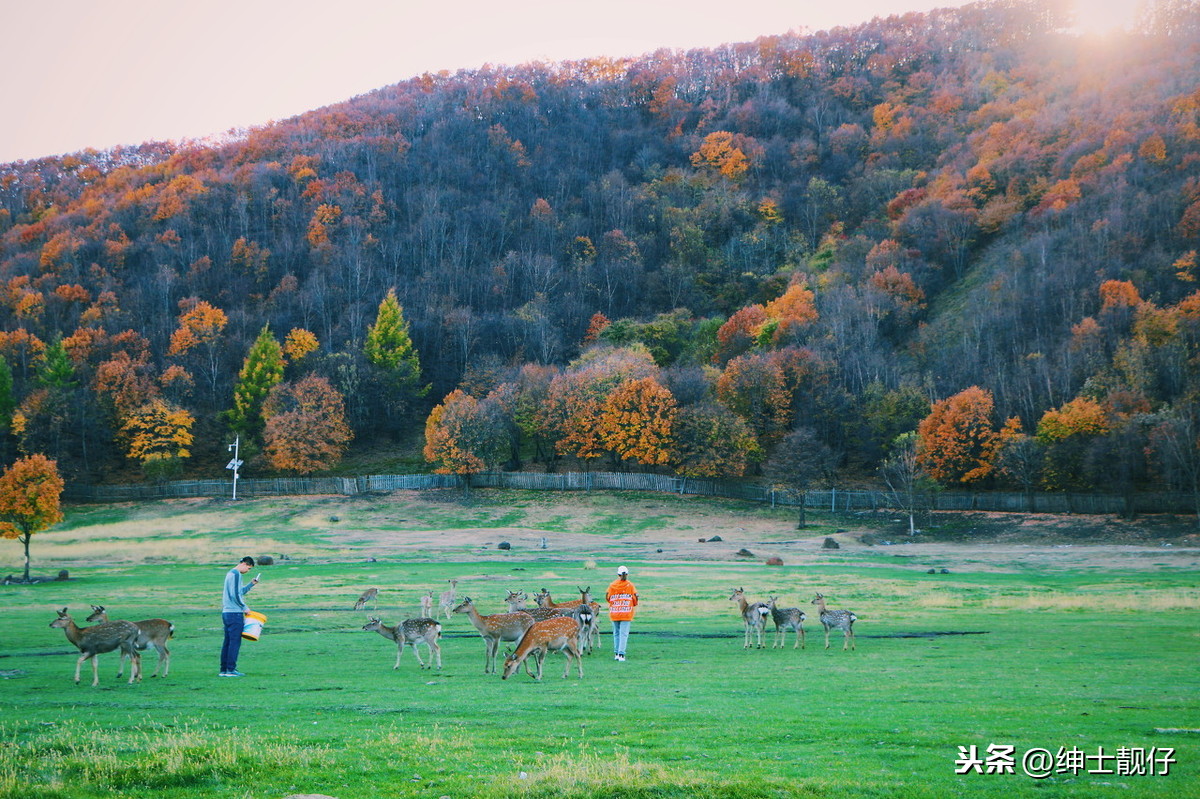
{"x": 98, "y": 73}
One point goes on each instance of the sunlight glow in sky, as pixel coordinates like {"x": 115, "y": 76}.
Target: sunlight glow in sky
{"x": 99, "y": 74}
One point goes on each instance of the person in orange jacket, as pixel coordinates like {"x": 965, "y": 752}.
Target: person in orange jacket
{"x": 622, "y": 598}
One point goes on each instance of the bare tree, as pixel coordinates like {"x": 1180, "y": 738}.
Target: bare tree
{"x": 798, "y": 461}
{"x": 905, "y": 479}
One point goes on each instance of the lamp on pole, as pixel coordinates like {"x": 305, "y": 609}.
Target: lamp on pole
{"x": 234, "y": 464}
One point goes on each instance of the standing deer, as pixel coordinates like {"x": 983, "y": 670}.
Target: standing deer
{"x": 92, "y": 641}
{"x": 370, "y": 595}
{"x": 448, "y": 599}
{"x": 559, "y": 634}
{"x": 154, "y": 632}
{"x": 588, "y": 633}
{"x": 411, "y": 631}
{"x": 754, "y": 616}
{"x": 836, "y": 620}
{"x": 785, "y": 619}
{"x": 427, "y": 605}
{"x": 516, "y": 601}
{"x": 494, "y": 629}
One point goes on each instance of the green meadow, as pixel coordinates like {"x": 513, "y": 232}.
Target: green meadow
{"x": 1088, "y": 654}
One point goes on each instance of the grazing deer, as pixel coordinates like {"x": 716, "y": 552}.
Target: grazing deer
{"x": 836, "y": 620}
{"x": 370, "y": 595}
{"x": 494, "y": 629}
{"x": 427, "y": 605}
{"x": 448, "y": 599}
{"x": 560, "y": 634}
{"x": 411, "y": 631}
{"x": 754, "y": 616}
{"x": 785, "y": 619}
{"x": 92, "y": 641}
{"x": 154, "y": 632}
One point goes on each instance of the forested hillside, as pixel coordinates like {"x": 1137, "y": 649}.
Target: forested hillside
{"x": 772, "y": 257}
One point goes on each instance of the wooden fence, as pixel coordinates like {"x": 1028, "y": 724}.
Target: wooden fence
{"x": 835, "y": 500}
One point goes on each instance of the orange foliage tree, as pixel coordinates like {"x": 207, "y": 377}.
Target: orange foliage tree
{"x": 636, "y": 421}
{"x": 1066, "y": 432}
{"x": 957, "y": 440}
{"x": 575, "y": 399}
{"x": 199, "y": 331}
{"x": 306, "y": 428}
{"x": 30, "y": 494}
{"x": 463, "y": 435}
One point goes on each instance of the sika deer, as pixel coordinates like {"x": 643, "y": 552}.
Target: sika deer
{"x": 92, "y": 641}
{"x": 560, "y": 634}
{"x": 448, "y": 599}
{"x": 154, "y": 632}
{"x": 494, "y": 629}
{"x": 836, "y": 620}
{"x": 370, "y": 595}
{"x": 592, "y": 630}
{"x": 411, "y": 631}
{"x": 754, "y": 616}
{"x": 785, "y": 619}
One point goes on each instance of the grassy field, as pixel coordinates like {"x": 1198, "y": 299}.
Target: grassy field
{"x": 1084, "y": 651}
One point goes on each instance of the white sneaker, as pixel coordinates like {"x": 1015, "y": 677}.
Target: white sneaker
{"x": 621, "y": 658}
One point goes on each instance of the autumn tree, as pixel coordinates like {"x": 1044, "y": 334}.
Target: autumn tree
{"x": 159, "y": 435}
{"x": 30, "y": 494}
{"x": 636, "y": 422}
{"x": 1067, "y": 432}
{"x": 261, "y": 371}
{"x": 464, "y": 436}
{"x": 199, "y": 337}
{"x": 957, "y": 440}
{"x": 397, "y": 368}
{"x": 575, "y": 399}
{"x": 305, "y": 426}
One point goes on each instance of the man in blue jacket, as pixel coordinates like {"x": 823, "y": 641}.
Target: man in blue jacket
{"x": 233, "y": 613}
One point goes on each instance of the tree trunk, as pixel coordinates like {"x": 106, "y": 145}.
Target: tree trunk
{"x": 25, "y": 541}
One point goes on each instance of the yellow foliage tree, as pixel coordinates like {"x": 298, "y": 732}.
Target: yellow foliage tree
{"x": 30, "y": 494}
{"x": 636, "y": 421}
{"x": 159, "y": 435}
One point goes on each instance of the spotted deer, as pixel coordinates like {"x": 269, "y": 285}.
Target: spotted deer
{"x": 754, "y": 616}
{"x": 427, "y": 605}
{"x": 836, "y": 620}
{"x": 559, "y": 634}
{"x": 787, "y": 619}
{"x": 98, "y": 639}
{"x": 370, "y": 595}
{"x": 448, "y": 599}
{"x": 414, "y": 632}
{"x": 151, "y": 632}
{"x": 589, "y": 633}
{"x": 495, "y": 628}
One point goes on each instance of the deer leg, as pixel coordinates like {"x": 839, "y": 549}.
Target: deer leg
{"x": 135, "y": 667}
{"x": 437, "y": 650}
{"x": 417, "y": 654}
{"x": 399, "y": 652}
{"x": 95, "y": 671}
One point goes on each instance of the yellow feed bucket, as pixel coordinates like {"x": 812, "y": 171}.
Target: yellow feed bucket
{"x": 253, "y": 625}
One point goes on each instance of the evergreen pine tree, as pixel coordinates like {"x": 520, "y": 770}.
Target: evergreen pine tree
{"x": 261, "y": 371}
{"x": 394, "y": 360}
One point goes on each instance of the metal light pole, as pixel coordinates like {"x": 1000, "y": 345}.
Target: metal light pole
{"x": 234, "y": 464}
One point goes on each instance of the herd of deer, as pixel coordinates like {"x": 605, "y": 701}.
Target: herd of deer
{"x": 568, "y": 627}
{"x": 755, "y": 615}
